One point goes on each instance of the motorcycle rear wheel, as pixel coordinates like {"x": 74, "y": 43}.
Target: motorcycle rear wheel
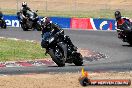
{"x": 130, "y": 43}
{"x": 24, "y": 28}
{"x": 78, "y": 60}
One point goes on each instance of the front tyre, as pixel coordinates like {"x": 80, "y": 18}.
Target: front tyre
{"x": 4, "y": 25}
{"x": 57, "y": 56}
{"x": 38, "y": 27}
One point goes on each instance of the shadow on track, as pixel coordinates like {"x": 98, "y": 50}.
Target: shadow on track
{"x": 127, "y": 45}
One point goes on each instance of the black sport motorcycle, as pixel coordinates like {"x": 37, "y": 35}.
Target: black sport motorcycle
{"x": 31, "y": 21}
{"x": 3, "y": 23}
{"x": 125, "y": 33}
{"x": 60, "y": 51}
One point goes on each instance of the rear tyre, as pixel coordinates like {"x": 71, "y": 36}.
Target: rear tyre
{"x": 130, "y": 43}
{"x": 130, "y": 40}
{"x": 57, "y": 56}
{"x": 78, "y": 60}
{"x": 24, "y": 28}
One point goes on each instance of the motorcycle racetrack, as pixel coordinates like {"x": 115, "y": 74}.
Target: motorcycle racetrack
{"x": 116, "y": 55}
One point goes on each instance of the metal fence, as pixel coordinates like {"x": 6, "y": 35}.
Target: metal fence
{"x": 64, "y": 7}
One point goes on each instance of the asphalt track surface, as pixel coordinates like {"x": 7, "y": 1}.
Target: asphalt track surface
{"x": 118, "y": 54}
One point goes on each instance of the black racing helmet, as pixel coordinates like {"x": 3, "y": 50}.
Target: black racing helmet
{"x": 117, "y": 15}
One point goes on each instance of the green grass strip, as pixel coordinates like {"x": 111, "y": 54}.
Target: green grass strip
{"x": 11, "y": 50}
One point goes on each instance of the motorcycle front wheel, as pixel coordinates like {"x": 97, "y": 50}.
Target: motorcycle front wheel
{"x": 38, "y": 27}
{"x": 57, "y": 56}
{"x": 3, "y": 24}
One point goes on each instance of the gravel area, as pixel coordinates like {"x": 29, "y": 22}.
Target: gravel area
{"x": 59, "y": 80}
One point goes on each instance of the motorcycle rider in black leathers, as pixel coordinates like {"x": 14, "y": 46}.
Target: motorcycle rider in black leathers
{"x": 48, "y": 26}
{"x": 24, "y": 10}
{"x": 119, "y": 21}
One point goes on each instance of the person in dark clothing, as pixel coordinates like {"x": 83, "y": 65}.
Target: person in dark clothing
{"x": 1, "y": 15}
{"x": 120, "y": 20}
{"x": 23, "y": 11}
{"x": 48, "y": 26}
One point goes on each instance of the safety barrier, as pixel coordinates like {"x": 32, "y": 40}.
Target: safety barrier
{"x": 71, "y": 23}
{"x": 92, "y": 24}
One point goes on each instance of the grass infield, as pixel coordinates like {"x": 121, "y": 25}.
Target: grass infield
{"x": 11, "y": 50}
